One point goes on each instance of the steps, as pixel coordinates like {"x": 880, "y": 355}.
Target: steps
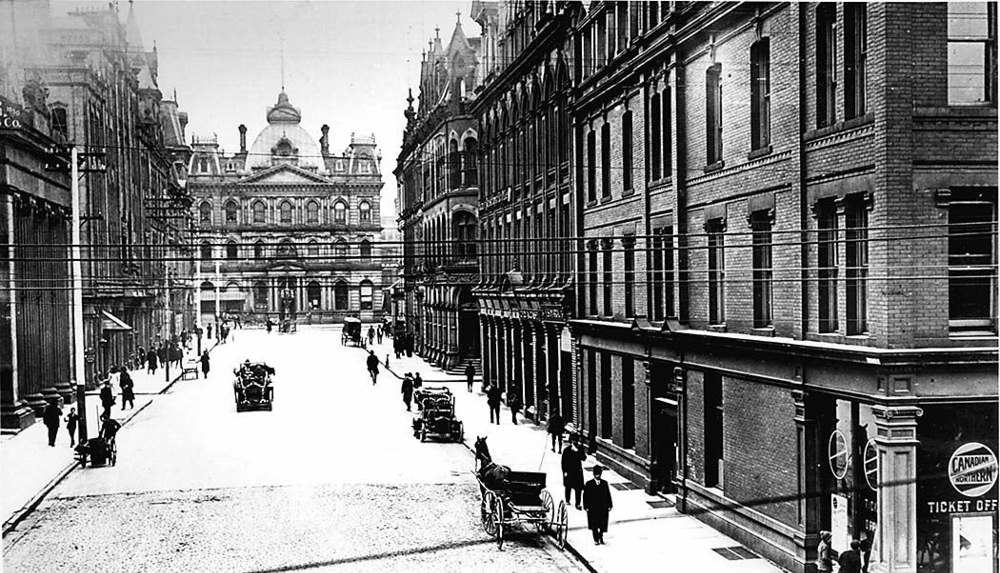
{"x": 459, "y": 369}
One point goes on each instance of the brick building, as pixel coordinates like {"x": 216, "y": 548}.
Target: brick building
{"x": 438, "y": 197}
{"x": 526, "y": 202}
{"x": 286, "y": 228}
{"x": 787, "y": 284}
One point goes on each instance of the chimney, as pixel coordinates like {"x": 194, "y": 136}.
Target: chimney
{"x": 324, "y": 142}
{"x": 182, "y": 118}
{"x": 243, "y": 138}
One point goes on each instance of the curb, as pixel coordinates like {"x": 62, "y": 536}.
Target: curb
{"x": 25, "y": 511}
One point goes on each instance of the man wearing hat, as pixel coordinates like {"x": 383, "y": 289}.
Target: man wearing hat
{"x": 597, "y": 503}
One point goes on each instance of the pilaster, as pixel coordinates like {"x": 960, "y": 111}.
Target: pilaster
{"x": 895, "y": 549}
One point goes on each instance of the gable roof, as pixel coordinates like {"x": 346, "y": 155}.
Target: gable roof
{"x": 283, "y": 174}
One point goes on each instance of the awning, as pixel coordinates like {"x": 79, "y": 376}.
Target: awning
{"x": 112, "y": 322}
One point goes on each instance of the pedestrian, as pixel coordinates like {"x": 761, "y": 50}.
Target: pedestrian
{"x": 163, "y": 353}
{"x": 397, "y": 347}
{"x": 514, "y": 403}
{"x": 850, "y": 560}
{"x": 205, "y": 365}
{"x": 597, "y": 502}
{"x": 373, "y": 366}
{"x": 866, "y": 550}
{"x": 825, "y": 553}
{"x": 555, "y": 428}
{"x": 493, "y": 401}
{"x": 107, "y": 398}
{"x": 387, "y": 361}
{"x": 371, "y": 335}
{"x": 71, "y": 421}
{"x": 52, "y": 416}
{"x": 407, "y": 390}
{"x": 470, "y": 373}
{"x": 572, "y": 467}
{"x": 128, "y": 388}
{"x": 270, "y": 325}
{"x": 140, "y": 353}
{"x": 418, "y": 382}
{"x": 210, "y": 331}
{"x": 151, "y": 360}
{"x": 379, "y": 333}
{"x": 109, "y": 427}
{"x": 114, "y": 377}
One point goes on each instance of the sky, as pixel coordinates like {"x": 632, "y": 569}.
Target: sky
{"x": 347, "y": 64}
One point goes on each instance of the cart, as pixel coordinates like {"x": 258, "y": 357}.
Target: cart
{"x": 252, "y": 387}
{"x": 437, "y": 417}
{"x": 100, "y": 451}
{"x": 520, "y": 499}
{"x": 351, "y": 332}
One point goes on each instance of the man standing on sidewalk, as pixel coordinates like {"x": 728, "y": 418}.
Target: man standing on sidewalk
{"x": 493, "y": 401}
{"x": 407, "y": 390}
{"x": 71, "y": 421}
{"x": 373, "y": 366}
{"x": 205, "y": 364}
{"x": 470, "y": 373}
{"x": 52, "y": 417}
{"x": 597, "y": 502}
{"x": 128, "y": 388}
{"x": 151, "y": 359}
{"x": 572, "y": 466}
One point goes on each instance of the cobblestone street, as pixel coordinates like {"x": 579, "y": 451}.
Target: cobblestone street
{"x": 330, "y": 480}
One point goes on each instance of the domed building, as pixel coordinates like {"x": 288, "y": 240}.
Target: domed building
{"x": 286, "y": 228}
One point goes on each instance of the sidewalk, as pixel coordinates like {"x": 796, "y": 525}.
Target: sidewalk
{"x": 29, "y": 468}
{"x": 644, "y": 529}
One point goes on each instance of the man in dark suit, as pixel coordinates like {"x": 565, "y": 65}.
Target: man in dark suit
{"x": 597, "y": 503}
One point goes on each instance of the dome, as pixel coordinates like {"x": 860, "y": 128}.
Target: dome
{"x": 284, "y": 140}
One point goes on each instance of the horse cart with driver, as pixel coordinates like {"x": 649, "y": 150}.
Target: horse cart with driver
{"x": 252, "y": 386}
{"x": 352, "y": 332}
{"x": 517, "y": 499}
{"x": 437, "y": 415}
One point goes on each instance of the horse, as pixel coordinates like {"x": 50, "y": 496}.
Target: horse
{"x": 482, "y": 451}
{"x": 492, "y": 474}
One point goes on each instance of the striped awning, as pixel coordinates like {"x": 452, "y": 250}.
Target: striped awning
{"x": 112, "y": 322}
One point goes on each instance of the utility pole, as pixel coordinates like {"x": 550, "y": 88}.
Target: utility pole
{"x": 76, "y": 268}
{"x": 197, "y": 302}
{"x": 218, "y": 277}
{"x": 169, "y": 326}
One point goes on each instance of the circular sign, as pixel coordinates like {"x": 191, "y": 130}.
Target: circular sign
{"x": 871, "y": 464}
{"x": 972, "y": 469}
{"x": 838, "y": 454}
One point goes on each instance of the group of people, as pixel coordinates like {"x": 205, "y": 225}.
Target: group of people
{"x": 411, "y": 383}
{"x": 376, "y": 334}
{"x": 158, "y": 355}
{"x": 403, "y": 344}
{"x": 495, "y": 396}
{"x": 853, "y": 560}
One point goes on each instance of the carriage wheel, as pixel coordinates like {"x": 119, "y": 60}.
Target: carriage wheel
{"x": 114, "y": 453}
{"x": 461, "y": 432}
{"x": 550, "y": 514}
{"x": 486, "y": 514}
{"x": 561, "y": 525}
{"x": 498, "y": 517}
{"x": 423, "y": 433}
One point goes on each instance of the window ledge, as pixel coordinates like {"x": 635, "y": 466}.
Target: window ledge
{"x": 606, "y": 199}
{"x": 592, "y": 203}
{"x": 717, "y": 166}
{"x": 628, "y": 192}
{"x": 716, "y": 328}
{"x": 759, "y": 152}
{"x": 839, "y": 126}
{"x": 764, "y": 331}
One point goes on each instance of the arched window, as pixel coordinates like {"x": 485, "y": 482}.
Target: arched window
{"x": 341, "y": 299}
{"x": 340, "y": 212}
{"x": 365, "y": 212}
{"x": 313, "y": 293}
{"x": 340, "y": 248}
{"x": 286, "y": 212}
{"x": 258, "y": 250}
{"x": 231, "y": 210}
{"x": 366, "y": 250}
{"x": 232, "y": 253}
{"x": 465, "y": 235}
{"x": 260, "y": 296}
{"x": 454, "y": 165}
{"x": 232, "y": 286}
{"x": 259, "y": 212}
{"x": 205, "y": 213}
{"x": 207, "y": 287}
{"x": 367, "y": 293}
{"x": 312, "y": 213}
{"x": 206, "y": 251}
{"x": 286, "y": 249}
{"x": 312, "y": 250}
{"x": 471, "y": 169}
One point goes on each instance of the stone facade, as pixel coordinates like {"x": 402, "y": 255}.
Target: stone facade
{"x": 288, "y": 229}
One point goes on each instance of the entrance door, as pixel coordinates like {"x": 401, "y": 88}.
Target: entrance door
{"x": 664, "y": 443}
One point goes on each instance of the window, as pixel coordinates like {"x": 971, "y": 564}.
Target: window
{"x": 760, "y": 225}
{"x": 857, "y": 264}
{"x": 667, "y": 131}
{"x": 654, "y": 136}
{"x": 826, "y": 64}
{"x": 471, "y": 159}
{"x": 59, "y": 124}
{"x": 339, "y": 213}
{"x": 206, "y": 251}
{"x": 667, "y": 250}
{"x": 454, "y": 165}
{"x": 365, "y": 212}
{"x": 826, "y": 237}
{"x": 592, "y": 266}
{"x": 628, "y": 402}
{"x": 606, "y": 160}
{"x": 286, "y": 249}
{"x": 312, "y": 250}
{"x": 628, "y": 246}
{"x": 591, "y": 167}
{"x": 341, "y": 300}
{"x": 260, "y": 297}
{"x": 760, "y": 94}
{"x": 591, "y": 390}
{"x": 607, "y": 410}
{"x": 205, "y": 213}
{"x": 627, "y": 151}
{"x": 366, "y": 250}
{"x": 713, "y": 114}
{"x": 602, "y": 39}
{"x": 367, "y": 292}
{"x": 340, "y": 248}
{"x": 465, "y": 235}
{"x": 588, "y": 51}
{"x": 972, "y": 261}
{"x": 713, "y": 430}
{"x": 259, "y": 212}
{"x": 231, "y": 211}
{"x": 312, "y": 213}
{"x": 286, "y": 212}
{"x": 972, "y": 53}
{"x": 258, "y": 250}
{"x": 231, "y": 251}
{"x": 716, "y": 272}
{"x": 313, "y": 292}
{"x": 608, "y": 276}
{"x": 621, "y": 27}
{"x": 855, "y": 56}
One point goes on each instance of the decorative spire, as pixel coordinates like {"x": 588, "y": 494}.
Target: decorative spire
{"x": 458, "y": 17}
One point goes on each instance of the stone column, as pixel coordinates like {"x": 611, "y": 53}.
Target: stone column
{"x": 895, "y": 549}
{"x": 553, "y": 364}
{"x": 516, "y": 357}
{"x": 527, "y": 364}
{"x": 810, "y": 500}
{"x": 486, "y": 351}
{"x": 503, "y": 349}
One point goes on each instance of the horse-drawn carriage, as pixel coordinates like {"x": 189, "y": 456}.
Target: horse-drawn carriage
{"x": 351, "y": 332}
{"x": 252, "y": 386}
{"x": 437, "y": 415}
{"x": 513, "y": 498}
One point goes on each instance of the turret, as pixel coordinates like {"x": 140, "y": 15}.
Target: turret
{"x": 324, "y": 141}
{"x": 243, "y": 138}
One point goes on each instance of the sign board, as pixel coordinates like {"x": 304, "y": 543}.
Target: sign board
{"x": 838, "y": 454}
{"x": 838, "y": 522}
{"x": 871, "y": 464}
{"x": 972, "y": 469}
{"x": 92, "y": 162}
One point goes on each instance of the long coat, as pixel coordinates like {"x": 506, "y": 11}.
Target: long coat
{"x": 152, "y": 359}
{"x": 597, "y": 502}
{"x": 52, "y": 416}
{"x": 572, "y": 467}
{"x": 407, "y": 389}
{"x": 127, "y": 386}
{"x": 205, "y": 364}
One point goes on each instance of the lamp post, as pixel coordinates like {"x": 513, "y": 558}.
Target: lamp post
{"x": 76, "y": 267}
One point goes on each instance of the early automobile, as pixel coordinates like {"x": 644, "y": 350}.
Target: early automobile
{"x": 437, "y": 416}
{"x": 252, "y": 386}
{"x": 352, "y": 332}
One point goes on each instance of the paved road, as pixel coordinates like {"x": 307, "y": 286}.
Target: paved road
{"x": 331, "y": 480}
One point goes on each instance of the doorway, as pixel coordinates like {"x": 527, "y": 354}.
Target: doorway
{"x": 664, "y": 443}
